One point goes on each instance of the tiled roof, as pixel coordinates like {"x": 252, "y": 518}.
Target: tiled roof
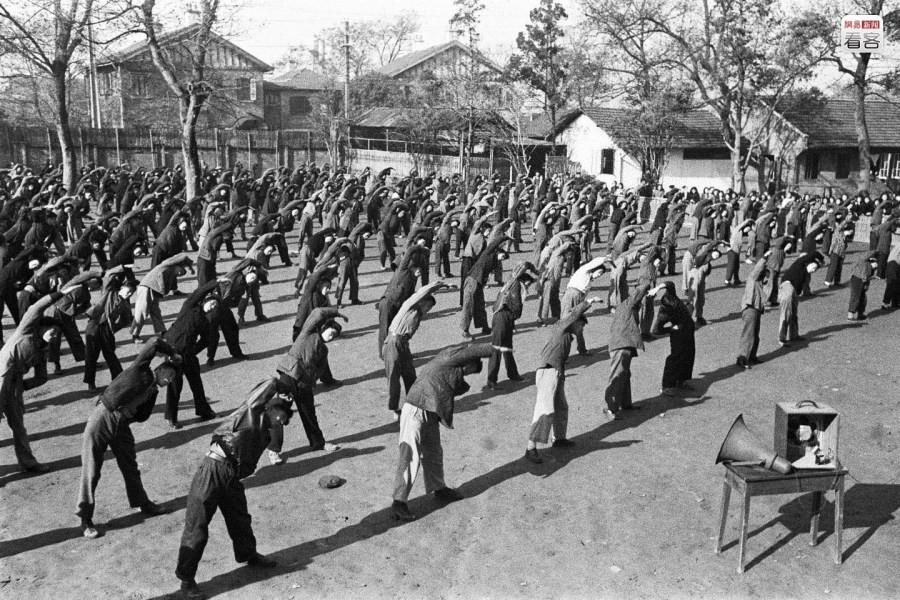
{"x": 404, "y": 63}
{"x": 301, "y": 79}
{"x": 694, "y": 129}
{"x": 173, "y": 37}
{"x": 833, "y": 124}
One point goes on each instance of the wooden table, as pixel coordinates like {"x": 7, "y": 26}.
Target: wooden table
{"x": 752, "y": 481}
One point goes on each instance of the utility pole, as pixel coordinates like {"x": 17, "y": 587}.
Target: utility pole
{"x": 347, "y": 84}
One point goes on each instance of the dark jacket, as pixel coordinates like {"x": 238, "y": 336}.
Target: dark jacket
{"x": 624, "y": 331}
{"x": 133, "y": 392}
{"x": 245, "y": 435}
{"x": 441, "y": 380}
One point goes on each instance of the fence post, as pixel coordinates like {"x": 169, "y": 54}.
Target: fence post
{"x": 49, "y": 147}
{"x": 118, "y": 149}
{"x": 218, "y": 155}
{"x": 277, "y": 148}
{"x": 81, "y": 142}
{"x": 152, "y": 151}
{"x": 308, "y": 146}
{"x": 249, "y": 159}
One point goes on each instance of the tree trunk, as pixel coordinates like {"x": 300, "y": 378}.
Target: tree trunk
{"x": 862, "y": 128}
{"x": 64, "y": 132}
{"x": 737, "y": 175}
{"x": 189, "y": 149}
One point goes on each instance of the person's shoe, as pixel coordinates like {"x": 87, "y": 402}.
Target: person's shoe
{"x": 210, "y": 362}
{"x": 258, "y": 561}
{"x": 800, "y": 338}
{"x": 784, "y": 343}
{"x": 326, "y": 447}
{"x": 208, "y": 415}
{"x": 885, "y": 307}
{"x": 174, "y": 424}
{"x": 137, "y": 341}
{"x": 486, "y": 331}
{"x": 586, "y": 353}
{"x": 88, "y": 530}
{"x": 773, "y": 304}
{"x": 862, "y": 317}
{"x": 611, "y": 416}
{"x": 447, "y": 494}
{"x": 828, "y": 284}
{"x": 190, "y": 591}
{"x": 517, "y": 378}
{"x": 532, "y": 455}
{"x": 700, "y": 321}
{"x": 242, "y": 321}
{"x": 152, "y": 508}
{"x": 239, "y": 356}
{"x": 91, "y": 387}
{"x": 755, "y": 361}
{"x": 632, "y": 407}
{"x": 563, "y": 443}
{"x": 275, "y": 458}
{"x": 396, "y": 415}
{"x": 401, "y": 511}
{"x": 355, "y": 302}
{"x": 263, "y": 319}
{"x": 668, "y": 392}
{"x": 742, "y": 362}
{"x": 57, "y": 368}
{"x": 333, "y": 383}
{"x": 176, "y": 293}
{"x": 491, "y": 386}
{"x": 37, "y": 468}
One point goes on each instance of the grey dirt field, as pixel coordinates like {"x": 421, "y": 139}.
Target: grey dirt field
{"x": 629, "y": 512}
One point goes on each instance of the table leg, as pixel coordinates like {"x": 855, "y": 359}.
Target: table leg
{"x": 745, "y": 525}
{"x": 814, "y": 518}
{"x": 723, "y": 515}
{"x": 838, "y": 520}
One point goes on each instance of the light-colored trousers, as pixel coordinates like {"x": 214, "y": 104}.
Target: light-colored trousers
{"x": 146, "y": 306}
{"x": 788, "y": 323}
{"x": 420, "y": 445}
{"x": 551, "y": 410}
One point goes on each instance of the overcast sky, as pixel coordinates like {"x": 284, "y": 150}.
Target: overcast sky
{"x": 274, "y": 25}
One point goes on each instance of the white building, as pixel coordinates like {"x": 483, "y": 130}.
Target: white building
{"x": 698, "y": 158}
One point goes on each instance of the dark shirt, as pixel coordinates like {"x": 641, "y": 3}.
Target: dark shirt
{"x": 133, "y": 392}
{"x": 190, "y": 332}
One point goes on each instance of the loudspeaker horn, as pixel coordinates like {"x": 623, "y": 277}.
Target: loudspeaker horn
{"x": 741, "y": 446}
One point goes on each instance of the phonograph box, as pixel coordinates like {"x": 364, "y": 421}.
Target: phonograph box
{"x": 806, "y": 434}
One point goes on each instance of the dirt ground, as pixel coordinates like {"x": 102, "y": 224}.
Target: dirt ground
{"x": 629, "y": 512}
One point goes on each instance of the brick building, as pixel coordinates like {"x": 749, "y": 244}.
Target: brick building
{"x": 291, "y": 96}
{"x": 134, "y": 94}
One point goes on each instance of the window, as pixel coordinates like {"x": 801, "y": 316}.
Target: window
{"x": 707, "y": 154}
{"x": 299, "y": 105}
{"x": 272, "y": 100}
{"x": 607, "y": 161}
{"x": 811, "y": 170}
{"x": 106, "y": 83}
{"x": 884, "y": 170}
{"x": 243, "y": 89}
{"x": 140, "y": 85}
{"x": 845, "y": 162}
{"x": 895, "y": 167}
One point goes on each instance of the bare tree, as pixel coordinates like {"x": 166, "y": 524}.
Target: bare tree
{"x": 391, "y": 38}
{"x": 190, "y": 86}
{"x": 46, "y": 36}
{"x": 741, "y": 55}
{"x": 859, "y": 74}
